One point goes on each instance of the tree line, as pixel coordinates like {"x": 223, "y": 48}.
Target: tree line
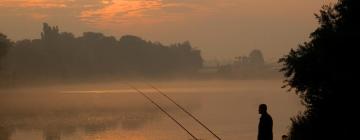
{"x": 62, "y": 55}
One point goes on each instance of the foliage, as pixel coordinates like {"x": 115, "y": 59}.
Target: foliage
{"x": 322, "y": 72}
{"x": 5, "y": 43}
{"x": 62, "y": 55}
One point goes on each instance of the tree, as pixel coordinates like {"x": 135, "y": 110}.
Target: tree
{"x": 49, "y": 33}
{"x": 256, "y": 58}
{"x": 5, "y": 43}
{"x": 60, "y": 56}
{"x": 322, "y": 72}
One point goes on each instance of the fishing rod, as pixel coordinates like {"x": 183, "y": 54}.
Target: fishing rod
{"x": 183, "y": 109}
{"x": 158, "y": 106}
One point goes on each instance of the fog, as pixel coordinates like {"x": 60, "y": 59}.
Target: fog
{"x": 68, "y": 87}
{"x": 221, "y": 28}
{"x": 115, "y": 111}
{"x": 59, "y": 57}
{"x": 110, "y": 69}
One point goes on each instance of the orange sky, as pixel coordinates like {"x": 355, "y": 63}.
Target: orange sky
{"x": 222, "y": 29}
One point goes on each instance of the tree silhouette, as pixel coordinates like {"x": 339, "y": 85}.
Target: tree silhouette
{"x": 322, "y": 73}
{"x": 256, "y": 57}
{"x": 61, "y": 55}
{"x": 5, "y": 43}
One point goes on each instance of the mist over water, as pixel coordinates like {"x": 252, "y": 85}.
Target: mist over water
{"x": 224, "y": 61}
{"x": 115, "y": 111}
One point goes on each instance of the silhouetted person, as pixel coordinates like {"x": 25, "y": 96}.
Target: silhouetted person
{"x": 265, "y": 124}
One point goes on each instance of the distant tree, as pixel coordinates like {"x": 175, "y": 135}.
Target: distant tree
{"x": 5, "y": 43}
{"x": 322, "y": 72}
{"x": 61, "y": 55}
{"x": 49, "y": 33}
{"x": 23, "y": 43}
{"x": 256, "y": 57}
{"x": 132, "y": 41}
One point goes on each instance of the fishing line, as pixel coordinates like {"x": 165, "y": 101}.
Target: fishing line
{"x": 187, "y": 112}
{"x": 164, "y": 111}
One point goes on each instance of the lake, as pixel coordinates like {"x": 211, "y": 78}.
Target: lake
{"x": 114, "y": 111}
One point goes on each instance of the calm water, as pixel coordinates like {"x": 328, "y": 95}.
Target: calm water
{"x": 114, "y": 111}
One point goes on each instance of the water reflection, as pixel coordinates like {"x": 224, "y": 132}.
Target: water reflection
{"x": 229, "y": 108}
{"x": 54, "y": 125}
{"x": 62, "y": 115}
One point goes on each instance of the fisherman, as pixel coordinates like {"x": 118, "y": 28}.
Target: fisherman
{"x": 265, "y": 125}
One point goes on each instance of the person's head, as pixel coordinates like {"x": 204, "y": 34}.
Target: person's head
{"x": 262, "y": 108}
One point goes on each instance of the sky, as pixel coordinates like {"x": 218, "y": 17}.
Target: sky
{"x": 221, "y": 29}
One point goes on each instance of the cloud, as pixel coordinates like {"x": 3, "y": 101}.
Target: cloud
{"x": 119, "y": 11}
{"x": 34, "y": 3}
{"x": 102, "y": 13}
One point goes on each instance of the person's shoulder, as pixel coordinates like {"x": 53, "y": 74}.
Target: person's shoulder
{"x": 267, "y": 116}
